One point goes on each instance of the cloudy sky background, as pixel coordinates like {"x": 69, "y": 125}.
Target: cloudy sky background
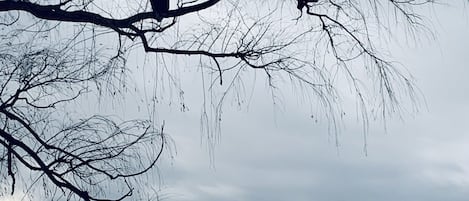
{"x": 283, "y": 154}
{"x": 267, "y": 154}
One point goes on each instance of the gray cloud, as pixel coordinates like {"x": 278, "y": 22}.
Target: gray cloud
{"x": 290, "y": 157}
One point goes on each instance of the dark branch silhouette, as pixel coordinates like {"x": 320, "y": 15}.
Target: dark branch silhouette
{"x": 94, "y": 156}
{"x": 75, "y": 155}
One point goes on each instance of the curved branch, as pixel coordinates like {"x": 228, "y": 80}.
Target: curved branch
{"x": 55, "y": 12}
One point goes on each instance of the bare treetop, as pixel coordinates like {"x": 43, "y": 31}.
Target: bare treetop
{"x": 53, "y": 52}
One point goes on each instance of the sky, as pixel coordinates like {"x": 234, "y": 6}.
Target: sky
{"x": 269, "y": 154}
{"x": 264, "y": 154}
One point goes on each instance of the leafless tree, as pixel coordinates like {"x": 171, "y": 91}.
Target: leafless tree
{"x": 80, "y": 157}
{"x": 314, "y": 45}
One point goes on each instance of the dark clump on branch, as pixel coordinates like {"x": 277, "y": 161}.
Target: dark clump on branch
{"x": 302, "y": 3}
{"x": 160, "y": 7}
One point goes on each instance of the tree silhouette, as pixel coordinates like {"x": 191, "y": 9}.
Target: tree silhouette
{"x": 334, "y": 40}
{"x": 77, "y": 155}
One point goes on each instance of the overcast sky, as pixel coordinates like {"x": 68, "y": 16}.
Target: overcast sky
{"x": 279, "y": 155}
{"x": 423, "y": 156}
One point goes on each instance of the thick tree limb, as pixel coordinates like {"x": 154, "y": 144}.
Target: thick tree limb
{"x": 55, "y": 12}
